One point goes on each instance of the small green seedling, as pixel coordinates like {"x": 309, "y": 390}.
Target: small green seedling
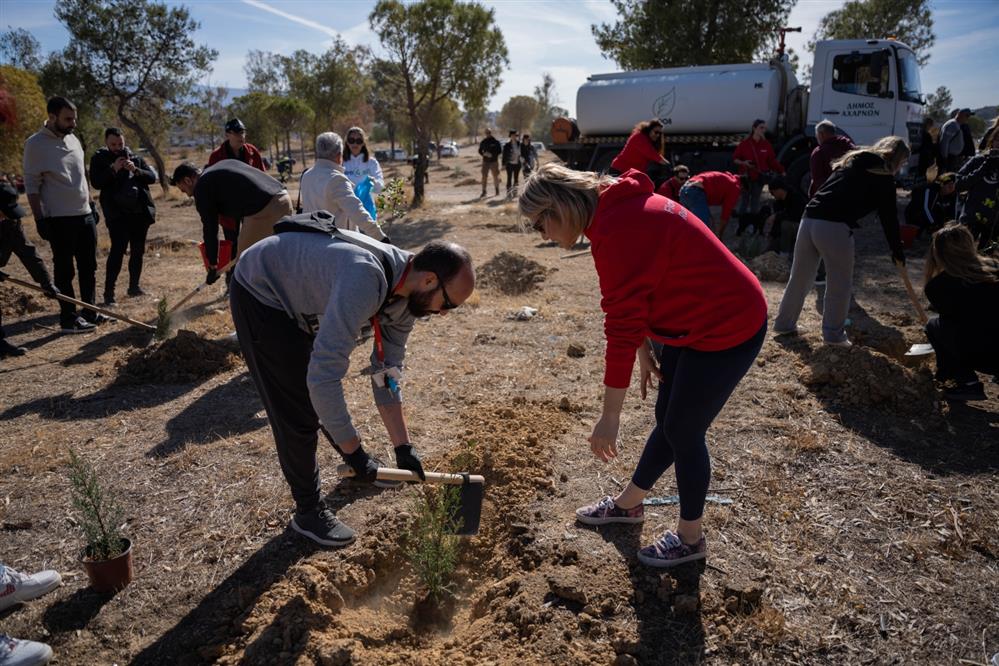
{"x": 162, "y": 319}
{"x": 99, "y": 511}
{"x": 432, "y": 546}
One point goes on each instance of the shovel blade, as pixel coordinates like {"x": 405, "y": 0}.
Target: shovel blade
{"x": 469, "y": 509}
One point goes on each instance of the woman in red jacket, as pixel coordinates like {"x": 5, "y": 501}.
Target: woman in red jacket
{"x": 755, "y": 156}
{"x": 675, "y": 296}
{"x": 644, "y": 147}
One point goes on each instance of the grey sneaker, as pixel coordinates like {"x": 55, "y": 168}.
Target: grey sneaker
{"x": 606, "y": 512}
{"x": 669, "y": 551}
{"x": 16, "y": 587}
{"x": 322, "y": 526}
{"x": 19, "y": 652}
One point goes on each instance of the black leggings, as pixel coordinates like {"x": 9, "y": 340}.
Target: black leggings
{"x": 512, "y": 176}
{"x": 695, "y": 387}
{"x": 130, "y": 234}
{"x": 962, "y": 349}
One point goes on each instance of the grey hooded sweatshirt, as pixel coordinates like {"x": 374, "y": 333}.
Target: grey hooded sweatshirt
{"x": 332, "y": 286}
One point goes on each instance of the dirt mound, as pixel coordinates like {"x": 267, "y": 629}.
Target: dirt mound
{"x": 862, "y": 377}
{"x": 168, "y": 244}
{"x": 512, "y": 274}
{"x": 770, "y": 267}
{"x": 185, "y": 358}
{"x": 15, "y": 302}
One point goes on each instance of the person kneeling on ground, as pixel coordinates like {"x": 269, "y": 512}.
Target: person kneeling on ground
{"x": 300, "y": 300}
{"x": 673, "y": 294}
{"x": 933, "y": 204}
{"x": 238, "y": 190}
{"x": 671, "y": 188}
{"x": 963, "y": 287}
{"x": 711, "y": 188}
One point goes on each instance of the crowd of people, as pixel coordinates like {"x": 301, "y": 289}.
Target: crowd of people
{"x": 316, "y": 277}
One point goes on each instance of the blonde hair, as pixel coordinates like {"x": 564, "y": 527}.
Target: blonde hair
{"x": 953, "y": 251}
{"x": 892, "y": 149}
{"x": 562, "y": 193}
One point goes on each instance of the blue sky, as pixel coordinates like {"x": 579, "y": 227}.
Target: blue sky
{"x": 541, "y": 35}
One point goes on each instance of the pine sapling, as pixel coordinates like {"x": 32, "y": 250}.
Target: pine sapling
{"x": 99, "y": 511}
{"x": 162, "y": 320}
{"x": 431, "y": 543}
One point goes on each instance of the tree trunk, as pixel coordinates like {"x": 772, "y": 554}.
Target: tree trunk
{"x": 301, "y": 140}
{"x": 146, "y": 141}
{"x": 391, "y": 133}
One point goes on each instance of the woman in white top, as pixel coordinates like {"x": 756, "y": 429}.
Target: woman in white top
{"x": 358, "y": 164}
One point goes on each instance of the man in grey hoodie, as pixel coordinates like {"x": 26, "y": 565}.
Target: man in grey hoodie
{"x": 302, "y": 300}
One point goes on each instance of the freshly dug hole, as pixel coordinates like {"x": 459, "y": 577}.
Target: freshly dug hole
{"x": 185, "y": 358}
{"x": 512, "y": 274}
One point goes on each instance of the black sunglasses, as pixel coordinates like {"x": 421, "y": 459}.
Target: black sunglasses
{"x": 448, "y": 303}
{"x": 356, "y": 142}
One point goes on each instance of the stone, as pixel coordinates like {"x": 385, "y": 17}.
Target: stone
{"x": 576, "y": 350}
{"x": 567, "y": 589}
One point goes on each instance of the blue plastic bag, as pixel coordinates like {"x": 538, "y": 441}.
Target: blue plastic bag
{"x": 363, "y": 192}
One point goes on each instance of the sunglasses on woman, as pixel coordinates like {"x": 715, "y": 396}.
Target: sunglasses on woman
{"x": 355, "y": 141}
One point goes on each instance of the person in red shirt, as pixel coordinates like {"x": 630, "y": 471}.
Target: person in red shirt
{"x": 755, "y": 158}
{"x": 235, "y": 147}
{"x": 643, "y": 148}
{"x": 831, "y": 147}
{"x": 711, "y": 188}
{"x": 671, "y": 188}
{"x": 673, "y": 295}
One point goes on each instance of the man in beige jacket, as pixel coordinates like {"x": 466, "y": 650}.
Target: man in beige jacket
{"x": 326, "y": 187}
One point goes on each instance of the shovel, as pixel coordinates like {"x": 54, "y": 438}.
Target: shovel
{"x": 221, "y": 272}
{"x": 919, "y": 349}
{"x": 469, "y": 509}
{"x": 81, "y": 304}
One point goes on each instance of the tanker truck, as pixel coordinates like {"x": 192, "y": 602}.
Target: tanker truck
{"x": 868, "y": 87}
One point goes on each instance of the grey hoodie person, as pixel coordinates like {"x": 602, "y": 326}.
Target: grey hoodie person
{"x": 333, "y": 286}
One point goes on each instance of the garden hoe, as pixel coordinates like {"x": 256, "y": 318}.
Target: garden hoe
{"x": 81, "y": 304}
{"x": 163, "y": 318}
{"x": 469, "y": 510}
{"x": 919, "y": 349}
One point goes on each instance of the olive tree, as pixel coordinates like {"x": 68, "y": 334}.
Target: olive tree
{"x": 443, "y": 50}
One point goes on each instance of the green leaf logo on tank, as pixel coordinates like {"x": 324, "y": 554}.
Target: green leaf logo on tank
{"x": 663, "y": 107}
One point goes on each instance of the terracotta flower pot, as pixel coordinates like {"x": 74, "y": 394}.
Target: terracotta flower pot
{"x": 109, "y": 575}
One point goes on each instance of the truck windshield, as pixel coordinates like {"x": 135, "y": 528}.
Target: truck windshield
{"x": 908, "y": 74}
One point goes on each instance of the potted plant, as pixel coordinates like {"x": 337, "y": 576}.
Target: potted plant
{"x": 107, "y": 556}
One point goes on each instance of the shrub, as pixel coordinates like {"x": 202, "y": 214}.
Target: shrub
{"x": 431, "y": 543}
{"x": 100, "y": 514}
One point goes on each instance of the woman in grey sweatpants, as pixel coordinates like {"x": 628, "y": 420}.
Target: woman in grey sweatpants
{"x": 862, "y": 181}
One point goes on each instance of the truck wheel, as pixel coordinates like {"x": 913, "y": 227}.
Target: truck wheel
{"x": 799, "y": 176}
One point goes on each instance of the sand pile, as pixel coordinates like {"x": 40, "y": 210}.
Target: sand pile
{"x": 15, "y": 302}
{"x": 770, "y": 267}
{"x": 866, "y": 378}
{"x": 185, "y": 358}
{"x": 511, "y": 273}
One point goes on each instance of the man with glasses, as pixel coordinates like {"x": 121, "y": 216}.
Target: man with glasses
{"x": 302, "y": 299}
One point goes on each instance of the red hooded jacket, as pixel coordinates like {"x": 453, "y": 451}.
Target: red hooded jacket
{"x": 721, "y": 188}
{"x": 636, "y": 154}
{"x": 250, "y": 154}
{"x": 760, "y": 153}
{"x": 665, "y": 276}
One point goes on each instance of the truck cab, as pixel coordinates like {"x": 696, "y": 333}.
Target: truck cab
{"x": 869, "y": 87}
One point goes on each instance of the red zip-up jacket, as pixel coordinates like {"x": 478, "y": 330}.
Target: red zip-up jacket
{"x": 760, "y": 153}
{"x": 671, "y": 189}
{"x": 665, "y": 276}
{"x": 636, "y": 154}
{"x": 721, "y": 188}
{"x": 250, "y": 154}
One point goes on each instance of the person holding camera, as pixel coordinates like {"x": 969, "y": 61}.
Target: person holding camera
{"x": 123, "y": 179}
{"x": 55, "y": 180}
{"x": 757, "y": 161}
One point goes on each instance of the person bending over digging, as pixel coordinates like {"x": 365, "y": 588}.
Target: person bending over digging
{"x": 673, "y": 294}
{"x": 237, "y": 190}
{"x": 963, "y": 287}
{"x": 301, "y": 300}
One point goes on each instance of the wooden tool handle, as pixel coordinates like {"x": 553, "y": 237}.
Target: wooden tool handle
{"x": 82, "y": 304}
{"x": 197, "y": 290}
{"x": 392, "y": 474}
{"x": 903, "y": 271}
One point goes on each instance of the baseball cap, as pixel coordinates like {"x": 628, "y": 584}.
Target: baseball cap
{"x": 967, "y": 112}
{"x": 235, "y": 125}
{"x": 8, "y": 202}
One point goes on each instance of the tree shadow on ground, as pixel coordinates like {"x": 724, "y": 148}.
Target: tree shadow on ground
{"x": 75, "y": 612}
{"x": 668, "y": 634}
{"x": 414, "y": 233}
{"x": 224, "y": 411}
{"x": 112, "y": 399}
{"x": 961, "y": 441}
{"x": 22, "y": 326}
{"x": 105, "y": 341}
{"x": 211, "y": 621}
{"x": 868, "y": 331}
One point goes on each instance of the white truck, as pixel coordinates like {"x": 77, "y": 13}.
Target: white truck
{"x": 868, "y": 88}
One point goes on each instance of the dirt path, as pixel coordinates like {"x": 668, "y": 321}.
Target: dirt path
{"x": 862, "y": 526}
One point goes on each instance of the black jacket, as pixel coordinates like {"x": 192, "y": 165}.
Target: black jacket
{"x": 490, "y": 149}
{"x": 979, "y": 177}
{"x": 853, "y": 191}
{"x": 508, "y": 154}
{"x": 13, "y": 241}
{"x": 528, "y": 155}
{"x": 928, "y": 209}
{"x": 976, "y": 304}
{"x": 124, "y": 195}
{"x": 927, "y": 153}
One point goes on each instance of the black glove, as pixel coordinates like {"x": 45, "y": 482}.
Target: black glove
{"x": 898, "y": 256}
{"x": 50, "y": 290}
{"x": 406, "y": 458}
{"x": 364, "y": 466}
{"x": 212, "y": 277}
{"x": 386, "y": 240}
{"x": 43, "y": 228}
{"x": 3, "y": 276}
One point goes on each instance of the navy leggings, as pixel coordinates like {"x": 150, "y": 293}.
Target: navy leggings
{"x": 695, "y": 387}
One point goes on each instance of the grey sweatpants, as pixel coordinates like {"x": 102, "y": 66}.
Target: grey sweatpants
{"x": 831, "y": 242}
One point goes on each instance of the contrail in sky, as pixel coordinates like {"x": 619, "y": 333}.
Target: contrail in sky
{"x": 292, "y": 17}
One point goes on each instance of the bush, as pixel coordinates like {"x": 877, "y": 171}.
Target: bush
{"x": 392, "y": 199}
{"x": 100, "y": 514}
{"x": 431, "y": 543}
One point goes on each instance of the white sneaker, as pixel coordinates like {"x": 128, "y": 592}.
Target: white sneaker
{"x": 18, "y": 652}
{"x": 16, "y": 587}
